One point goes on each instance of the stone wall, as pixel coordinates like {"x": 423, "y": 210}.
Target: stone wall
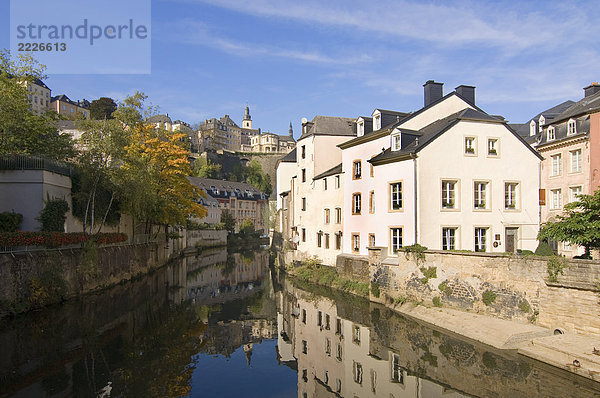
{"x": 206, "y": 238}
{"x": 35, "y": 279}
{"x": 509, "y": 287}
{"x": 353, "y": 266}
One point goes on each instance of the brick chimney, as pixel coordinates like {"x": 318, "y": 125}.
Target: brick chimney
{"x": 433, "y": 91}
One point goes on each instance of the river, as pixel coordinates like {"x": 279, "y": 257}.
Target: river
{"x": 225, "y": 325}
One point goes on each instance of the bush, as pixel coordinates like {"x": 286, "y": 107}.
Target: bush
{"x": 428, "y": 273}
{"x": 524, "y": 306}
{"x": 53, "y": 215}
{"x": 56, "y": 239}
{"x": 10, "y": 221}
{"x": 488, "y": 297}
{"x": 556, "y": 266}
{"x": 437, "y": 301}
{"x": 375, "y": 289}
{"x": 544, "y": 249}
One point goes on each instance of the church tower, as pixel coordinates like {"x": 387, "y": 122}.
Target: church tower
{"x": 291, "y": 132}
{"x": 247, "y": 122}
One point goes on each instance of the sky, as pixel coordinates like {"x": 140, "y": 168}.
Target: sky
{"x": 292, "y": 59}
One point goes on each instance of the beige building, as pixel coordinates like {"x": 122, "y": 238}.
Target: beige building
{"x": 39, "y": 96}
{"x": 272, "y": 143}
{"x": 316, "y": 190}
{"x": 68, "y": 109}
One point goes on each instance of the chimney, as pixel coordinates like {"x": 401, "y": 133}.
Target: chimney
{"x": 591, "y": 89}
{"x": 433, "y": 91}
{"x": 467, "y": 93}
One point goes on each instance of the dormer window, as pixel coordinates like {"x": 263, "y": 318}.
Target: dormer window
{"x": 532, "y": 127}
{"x": 551, "y": 134}
{"x": 376, "y": 121}
{"x": 396, "y": 142}
{"x": 571, "y": 127}
{"x": 542, "y": 122}
{"x": 361, "y": 128}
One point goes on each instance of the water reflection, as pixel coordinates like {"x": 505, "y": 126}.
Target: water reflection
{"x": 221, "y": 324}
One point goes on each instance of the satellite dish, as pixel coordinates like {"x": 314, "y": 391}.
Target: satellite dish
{"x": 304, "y": 120}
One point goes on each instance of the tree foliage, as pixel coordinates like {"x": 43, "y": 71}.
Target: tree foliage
{"x": 102, "y": 108}
{"x": 204, "y": 168}
{"x": 53, "y": 215}
{"x": 579, "y": 224}
{"x": 21, "y": 131}
{"x": 228, "y": 220}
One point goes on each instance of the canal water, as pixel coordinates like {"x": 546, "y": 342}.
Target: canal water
{"x": 224, "y": 325}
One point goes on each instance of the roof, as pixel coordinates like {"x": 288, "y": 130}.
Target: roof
{"x": 414, "y": 141}
{"x": 560, "y": 131}
{"x": 330, "y": 125}
{"x": 286, "y": 138}
{"x": 40, "y": 83}
{"x": 228, "y": 188}
{"x": 549, "y": 115}
{"x": 290, "y": 157}
{"x": 332, "y": 171}
{"x": 159, "y": 119}
{"x": 586, "y": 105}
{"x": 64, "y": 98}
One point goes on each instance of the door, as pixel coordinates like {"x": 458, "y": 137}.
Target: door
{"x": 511, "y": 239}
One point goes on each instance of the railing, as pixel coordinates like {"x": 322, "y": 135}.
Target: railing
{"x": 22, "y": 162}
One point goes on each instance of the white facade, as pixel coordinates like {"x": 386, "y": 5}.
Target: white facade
{"x": 392, "y": 214}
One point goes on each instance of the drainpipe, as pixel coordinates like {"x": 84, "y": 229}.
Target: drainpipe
{"x": 415, "y": 190}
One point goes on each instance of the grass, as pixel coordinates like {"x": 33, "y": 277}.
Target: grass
{"x": 328, "y": 276}
{"x": 488, "y": 297}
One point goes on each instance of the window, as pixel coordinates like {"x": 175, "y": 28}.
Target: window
{"x": 556, "y": 197}
{"x": 303, "y": 204}
{"x": 396, "y": 239}
{"x": 324, "y": 184}
{"x": 338, "y": 215}
{"x": 371, "y": 240}
{"x": 326, "y": 377}
{"x": 327, "y": 216}
{"x": 492, "y": 146}
{"x": 338, "y": 241}
{"x": 356, "y": 334}
{"x": 541, "y": 123}
{"x": 372, "y": 202}
{"x": 303, "y": 234}
{"x": 356, "y": 203}
{"x": 319, "y": 236}
{"x": 372, "y": 172}
{"x": 357, "y": 372}
{"x": 320, "y": 318}
{"x": 480, "y": 239}
{"x": 327, "y": 321}
{"x": 479, "y": 194}
{"x": 356, "y": 170}
{"x": 510, "y": 195}
{"x": 551, "y": 135}
{"x": 338, "y": 384}
{"x": 574, "y": 192}
{"x": 556, "y": 165}
{"x": 396, "y": 196}
{"x": 448, "y": 238}
{"x": 397, "y": 375}
{"x": 304, "y": 316}
{"x": 396, "y": 142}
{"x": 470, "y": 145}
{"x": 355, "y": 243}
{"x": 448, "y": 194}
{"x": 373, "y": 381}
{"x": 338, "y": 326}
{"x": 532, "y": 131}
{"x": 337, "y": 182}
{"x": 326, "y": 241}
{"x": 338, "y": 352}
{"x": 572, "y": 127}
{"x": 305, "y": 379}
{"x": 304, "y": 347}
{"x": 576, "y": 161}
{"x": 303, "y": 175}
{"x": 303, "y": 151}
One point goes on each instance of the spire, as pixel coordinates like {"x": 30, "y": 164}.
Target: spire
{"x": 247, "y": 122}
{"x": 291, "y": 131}
{"x": 247, "y": 114}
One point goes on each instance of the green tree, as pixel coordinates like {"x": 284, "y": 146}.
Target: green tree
{"x": 579, "y": 224}
{"x": 21, "y": 131}
{"x": 247, "y": 227}
{"x": 102, "y": 108}
{"x": 204, "y": 168}
{"x": 255, "y": 176}
{"x": 228, "y": 220}
{"x": 53, "y": 215}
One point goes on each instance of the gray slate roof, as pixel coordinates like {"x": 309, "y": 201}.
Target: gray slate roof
{"x": 549, "y": 114}
{"x": 586, "y": 105}
{"x": 331, "y": 125}
{"x": 332, "y": 171}
{"x": 227, "y": 188}
{"x": 414, "y": 141}
{"x": 290, "y": 157}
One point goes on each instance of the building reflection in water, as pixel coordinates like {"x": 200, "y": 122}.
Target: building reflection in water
{"x": 333, "y": 353}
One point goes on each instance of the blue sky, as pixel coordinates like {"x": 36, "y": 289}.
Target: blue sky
{"x": 293, "y": 59}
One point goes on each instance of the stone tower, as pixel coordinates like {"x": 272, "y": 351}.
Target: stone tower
{"x": 247, "y": 122}
{"x": 290, "y": 131}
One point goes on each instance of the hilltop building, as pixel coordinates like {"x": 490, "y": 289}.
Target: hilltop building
{"x": 39, "y": 96}
{"x": 69, "y": 109}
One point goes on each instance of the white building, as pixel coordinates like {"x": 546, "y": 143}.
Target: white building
{"x": 39, "y": 96}
{"x": 448, "y": 176}
{"x": 318, "y": 159}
